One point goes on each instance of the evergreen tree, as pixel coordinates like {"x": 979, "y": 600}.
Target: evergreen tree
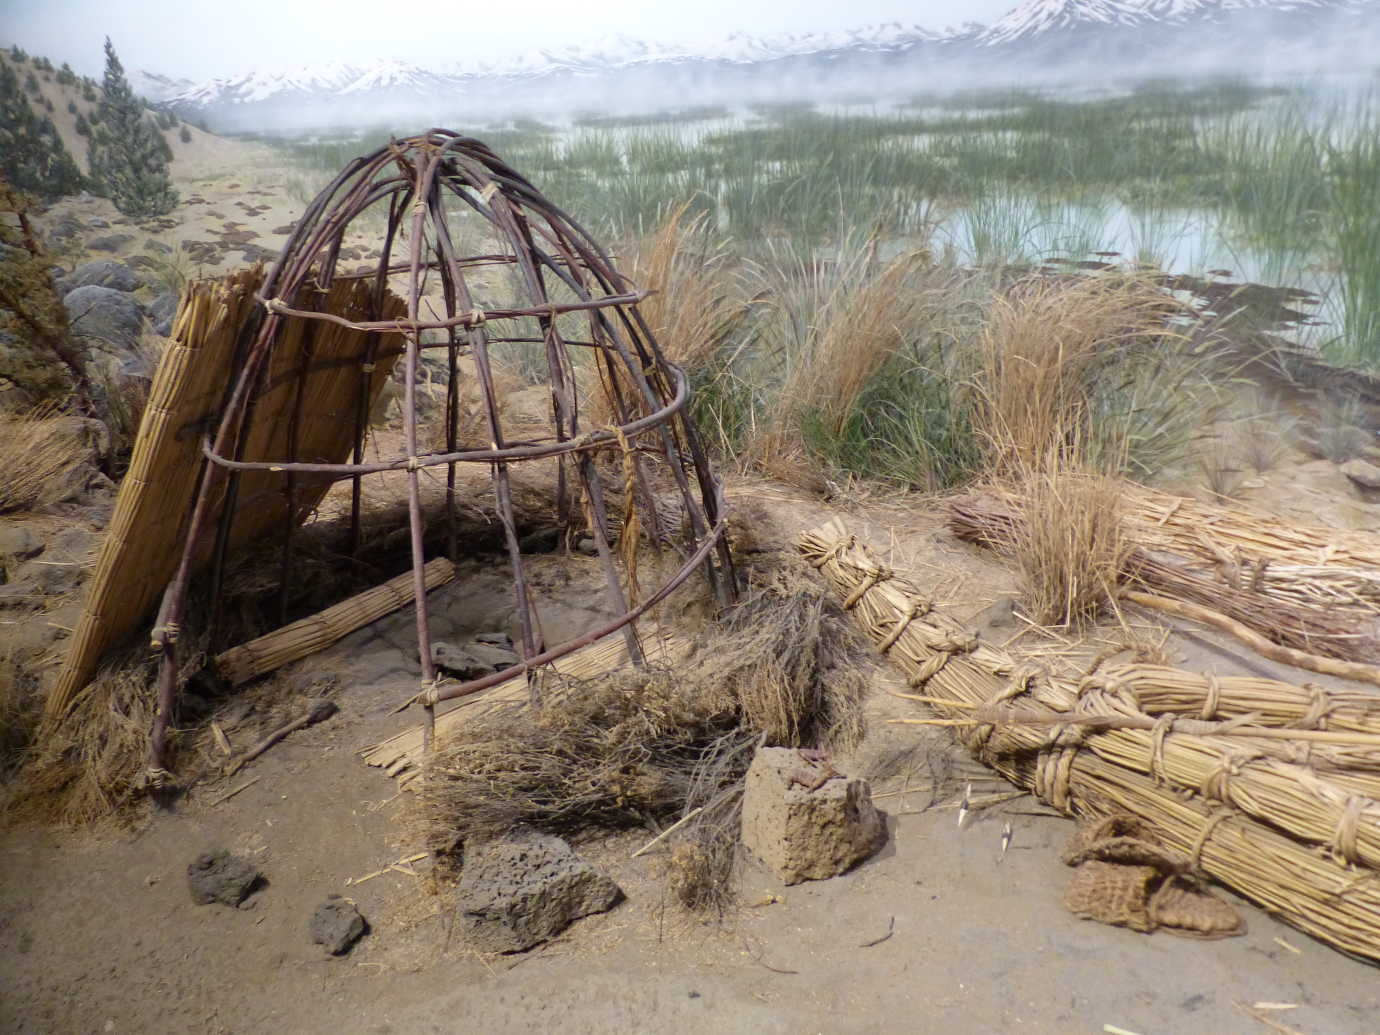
{"x": 128, "y": 156}
{"x": 32, "y": 155}
{"x": 45, "y": 364}
{"x": 83, "y": 127}
{"x": 185, "y": 136}
{"x": 65, "y": 75}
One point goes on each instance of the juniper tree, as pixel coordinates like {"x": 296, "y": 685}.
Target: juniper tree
{"x": 32, "y": 155}
{"x": 127, "y": 154}
{"x": 41, "y": 358}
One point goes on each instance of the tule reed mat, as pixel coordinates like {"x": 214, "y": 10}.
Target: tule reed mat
{"x": 1270, "y": 789}
{"x": 214, "y": 324}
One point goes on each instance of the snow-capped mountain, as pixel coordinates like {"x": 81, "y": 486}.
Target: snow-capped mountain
{"x": 1038, "y": 38}
{"x": 1037, "y": 17}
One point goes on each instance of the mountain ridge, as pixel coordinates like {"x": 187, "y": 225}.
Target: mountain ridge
{"x": 1033, "y": 39}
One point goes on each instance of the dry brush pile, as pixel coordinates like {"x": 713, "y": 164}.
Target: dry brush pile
{"x": 645, "y": 746}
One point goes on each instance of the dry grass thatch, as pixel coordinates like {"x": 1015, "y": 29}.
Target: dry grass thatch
{"x": 1250, "y": 782}
{"x": 37, "y": 452}
{"x": 655, "y": 744}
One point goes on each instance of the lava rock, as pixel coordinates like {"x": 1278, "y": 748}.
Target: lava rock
{"x": 103, "y": 273}
{"x": 50, "y": 578}
{"x": 221, "y": 877}
{"x": 337, "y": 925}
{"x": 525, "y": 889}
{"x": 803, "y": 833}
{"x": 543, "y": 540}
{"x": 104, "y": 313}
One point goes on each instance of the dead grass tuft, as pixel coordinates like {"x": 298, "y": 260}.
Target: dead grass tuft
{"x": 89, "y": 768}
{"x": 1070, "y": 547}
{"x": 37, "y": 451}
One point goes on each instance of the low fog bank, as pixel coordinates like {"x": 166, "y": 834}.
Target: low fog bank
{"x": 1259, "y": 49}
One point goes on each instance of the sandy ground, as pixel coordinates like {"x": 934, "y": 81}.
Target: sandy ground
{"x": 98, "y": 933}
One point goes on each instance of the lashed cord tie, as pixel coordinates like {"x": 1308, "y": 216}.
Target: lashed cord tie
{"x": 1343, "y": 844}
{"x": 1195, "y": 854}
{"x": 1211, "y": 699}
{"x": 1161, "y": 729}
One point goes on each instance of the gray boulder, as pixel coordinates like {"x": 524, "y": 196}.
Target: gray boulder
{"x": 109, "y": 243}
{"x": 101, "y": 272}
{"x": 162, "y": 310}
{"x": 806, "y": 820}
{"x": 525, "y": 889}
{"x": 1363, "y": 474}
{"x": 473, "y": 659}
{"x": 106, "y": 314}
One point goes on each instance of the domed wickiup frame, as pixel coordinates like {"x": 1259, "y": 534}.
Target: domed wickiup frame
{"x": 426, "y": 291}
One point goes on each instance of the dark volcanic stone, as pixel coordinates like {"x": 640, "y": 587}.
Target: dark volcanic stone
{"x": 221, "y": 877}
{"x": 525, "y": 889}
{"x": 337, "y": 925}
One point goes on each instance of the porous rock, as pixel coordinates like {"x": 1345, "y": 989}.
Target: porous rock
{"x": 221, "y": 877}
{"x": 336, "y": 925}
{"x": 804, "y": 834}
{"x": 527, "y": 888}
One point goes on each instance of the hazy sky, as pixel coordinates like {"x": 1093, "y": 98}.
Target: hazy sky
{"x": 204, "y": 38}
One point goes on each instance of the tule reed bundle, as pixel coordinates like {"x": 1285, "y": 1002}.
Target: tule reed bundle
{"x": 1269, "y": 789}
{"x": 1314, "y": 609}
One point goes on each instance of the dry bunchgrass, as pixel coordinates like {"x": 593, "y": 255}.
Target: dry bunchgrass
{"x": 37, "y": 451}
{"x": 784, "y": 667}
{"x": 1042, "y": 349}
{"x": 698, "y": 307}
{"x": 868, "y": 314}
{"x": 1070, "y": 548}
{"x": 89, "y": 768}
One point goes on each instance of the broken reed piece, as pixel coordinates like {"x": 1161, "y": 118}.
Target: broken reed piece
{"x": 319, "y": 710}
{"x": 1289, "y": 822}
{"x": 1263, "y": 646}
{"x": 308, "y": 635}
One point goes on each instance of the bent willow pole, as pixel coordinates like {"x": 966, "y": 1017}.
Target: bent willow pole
{"x": 457, "y": 221}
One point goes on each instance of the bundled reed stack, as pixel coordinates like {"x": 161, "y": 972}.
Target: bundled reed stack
{"x": 264, "y": 403}
{"x": 1292, "y": 593}
{"x": 1272, "y": 790}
